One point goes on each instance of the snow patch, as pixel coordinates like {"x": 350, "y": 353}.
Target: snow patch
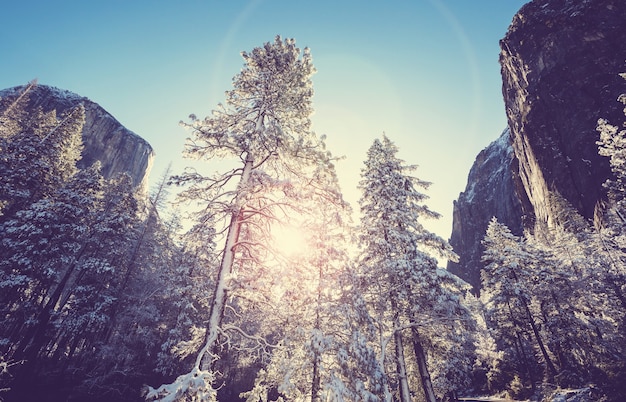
{"x": 501, "y": 146}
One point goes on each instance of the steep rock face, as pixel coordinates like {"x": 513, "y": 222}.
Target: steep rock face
{"x": 493, "y": 189}
{"x": 560, "y": 62}
{"x": 104, "y": 138}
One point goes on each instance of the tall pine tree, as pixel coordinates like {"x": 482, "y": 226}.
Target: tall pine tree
{"x": 265, "y": 124}
{"x": 400, "y": 280}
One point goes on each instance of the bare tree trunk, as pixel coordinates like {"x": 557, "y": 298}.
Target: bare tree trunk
{"x": 206, "y": 357}
{"x": 519, "y": 346}
{"x": 132, "y": 261}
{"x": 315, "y": 384}
{"x": 550, "y": 366}
{"x": 420, "y": 356}
{"x": 32, "y": 342}
{"x": 403, "y": 382}
{"x": 531, "y": 320}
{"x": 383, "y": 356}
{"x": 316, "y": 381}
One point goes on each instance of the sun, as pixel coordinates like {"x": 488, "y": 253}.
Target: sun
{"x": 289, "y": 240}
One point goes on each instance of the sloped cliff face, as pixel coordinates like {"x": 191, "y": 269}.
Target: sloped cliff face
{"x": 493, "y": 189}
{"x": 560, "y": 61}
{"x": 104, "y": 138}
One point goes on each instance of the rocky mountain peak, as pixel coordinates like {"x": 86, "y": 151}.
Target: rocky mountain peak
{"x": 492, "y": 190}
{"x": 104, "y": 138}
{"x": 560, "y": 62}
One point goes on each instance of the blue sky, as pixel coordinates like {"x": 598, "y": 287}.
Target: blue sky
{"x": 425, "y": 72}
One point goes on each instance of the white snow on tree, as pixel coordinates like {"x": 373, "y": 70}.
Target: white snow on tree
{"x": 265, "y": 124}
{"x": 410, "y": 299}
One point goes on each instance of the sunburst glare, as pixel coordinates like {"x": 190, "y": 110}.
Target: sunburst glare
{"x": 289, "y": 240}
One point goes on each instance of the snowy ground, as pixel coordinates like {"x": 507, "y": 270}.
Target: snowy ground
{"x": 563, "y": 395}
{"x": 573, "y": 395}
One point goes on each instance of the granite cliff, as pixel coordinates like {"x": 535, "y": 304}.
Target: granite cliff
{"x": 560, "y": 69}
{"x": 491, "y": 191}
{"x": 104, "y": 138}
{"x": 560, "y": 63}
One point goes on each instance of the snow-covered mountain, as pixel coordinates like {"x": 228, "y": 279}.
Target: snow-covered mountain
{"x": 560, "y": 62}
{"x": 104, "y": 138}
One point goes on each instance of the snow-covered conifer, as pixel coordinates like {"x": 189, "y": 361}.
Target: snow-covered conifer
{"x": 14, "y": 117}
{"x": 400, "y": 280}
{"x": 265, "y": 125}
{"x": 39, "y": 158}
{"x": 507, "y": 283}
{"x": 612, "y": 144}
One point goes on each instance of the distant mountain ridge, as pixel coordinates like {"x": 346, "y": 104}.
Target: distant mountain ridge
{"x": 104, "y": 138}
{"x": 560, "y": 63}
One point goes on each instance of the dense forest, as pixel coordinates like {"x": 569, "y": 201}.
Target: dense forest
{"x": 108, "y": 295}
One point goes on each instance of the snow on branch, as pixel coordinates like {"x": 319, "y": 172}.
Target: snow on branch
{"x": 197, "y": 384}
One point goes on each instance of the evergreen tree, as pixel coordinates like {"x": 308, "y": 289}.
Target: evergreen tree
{"x": 38, "y": 158}
{"x": 46, "y": 243}
{"x": 612, "y": 144}
{"x": 14, "y": 117}
{"x": 575, "y": 293}
{"x": 361, "y": 367}
{"x": 149, "y": 286}
{"x": 507, "y": 283}
{"x": 566, "y": 300}
{"x": 265, "y": 123}
{"x": 610, "y": 224}
{"x": 487, "y": 369}
{"x": 399, "y": 278}
{"x": 188, "y": 258}
{"x": 62, "y": 283}
{"x": 306, "y": 366}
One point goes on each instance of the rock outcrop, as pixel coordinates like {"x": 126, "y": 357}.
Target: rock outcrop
{"x": 104, "y": 138}
{"x": 560, "y": 62}
{"x": 493, "y": 189}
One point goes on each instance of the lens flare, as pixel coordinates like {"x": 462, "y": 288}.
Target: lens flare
{"x": 289, "y": 240}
